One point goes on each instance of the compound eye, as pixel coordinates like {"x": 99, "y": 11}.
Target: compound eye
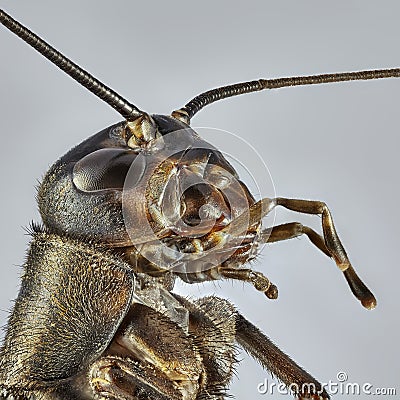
{"x": 105, "y": 169}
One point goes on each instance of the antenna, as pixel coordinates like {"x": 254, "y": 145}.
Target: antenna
{"x": 126, "y": 109}
{"x": 204, "y": 99}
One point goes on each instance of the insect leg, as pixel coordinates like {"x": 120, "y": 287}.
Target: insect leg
{"x": 229, "y": 270}
{"x": 331, "y": 238}
{"x": 257, "y": 279}
{"x": 276, "y": 361}
{"x": 118, "y": 378}
{"x": 292, "y": 230}
{"x": 213, "y": 327}
{"x": 151, "y": 356}
{"x": 295, "y": 229}
{"x": 330, "y": 243}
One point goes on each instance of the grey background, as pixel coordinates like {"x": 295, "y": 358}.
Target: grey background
{"x": 337, "y": 143}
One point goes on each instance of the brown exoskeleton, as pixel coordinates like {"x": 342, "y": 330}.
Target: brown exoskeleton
{"x": 124, "y": 214}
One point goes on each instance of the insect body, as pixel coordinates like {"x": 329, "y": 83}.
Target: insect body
{"x": 126, "y": 213}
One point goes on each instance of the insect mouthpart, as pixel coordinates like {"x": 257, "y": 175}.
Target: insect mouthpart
{"x": 191, "y": 194}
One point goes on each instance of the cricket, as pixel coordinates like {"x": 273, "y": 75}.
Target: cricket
{"x": 124, "y": 215}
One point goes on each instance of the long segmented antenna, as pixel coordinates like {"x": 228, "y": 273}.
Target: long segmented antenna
{"x": 204, "y": 99}
{"x": 126, "y": 109}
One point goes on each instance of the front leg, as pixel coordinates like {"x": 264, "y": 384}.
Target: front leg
{"x": 277, "y": 362}
{"x": 329, "y": 242}
{"x": 150, "y": 358}
{"x": 117, "y": 378}
{"x": 217, "y": 325}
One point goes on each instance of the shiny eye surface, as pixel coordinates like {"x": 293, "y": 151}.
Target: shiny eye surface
{"x": 104, "y": 169}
